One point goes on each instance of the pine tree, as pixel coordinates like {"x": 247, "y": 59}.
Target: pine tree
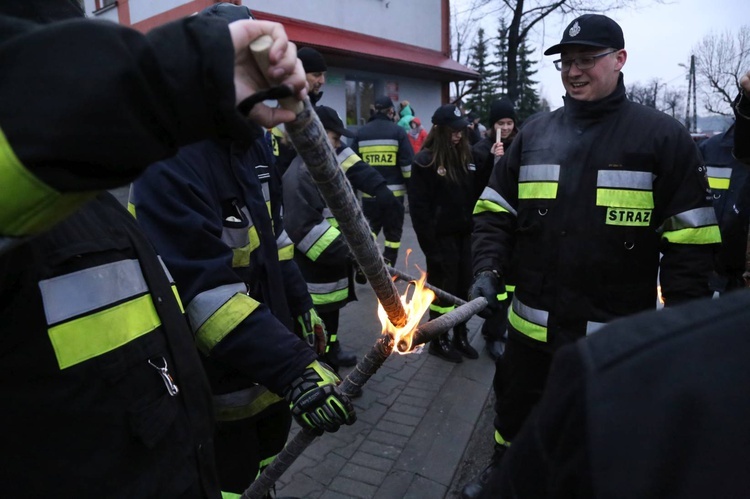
{"x": 528, "y": 97}
{"x": 477, "y": 99}
{"x": 499, "y": 82}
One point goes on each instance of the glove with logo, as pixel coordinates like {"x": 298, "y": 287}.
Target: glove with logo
{"x": 490, "y": 285}
{"x": 388, "y": 203}
{"x": 316, "y": 401}
{"x": 312, "y": 329}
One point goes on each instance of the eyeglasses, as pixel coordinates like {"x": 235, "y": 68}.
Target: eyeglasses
{"x": 587, "y": 62}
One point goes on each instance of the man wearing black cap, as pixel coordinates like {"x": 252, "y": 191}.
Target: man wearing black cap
{"x": 320, "y": 250}
{"x": 589, "y": 197}
{"x": 385, "y": 146}
{"x": 315, "y": 70}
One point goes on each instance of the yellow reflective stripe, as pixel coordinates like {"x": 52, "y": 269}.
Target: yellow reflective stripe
{"x": 96, "y": 334}
{"x": 223, "y": 321}
{"x": 321, "y": 244}
{"x": 620, "y": 198}
{"x": 500, "y": 440}
{"x": 441, "y": 310}
{"x": 502, "y": 296}
{"x": 485, "y": 205}
{"x": 350, "y": 161}
{"x": 392, "y": 244}
{"x": 692, "y": 235}
{"x": 718, "y": 183}
{"x": 131, "y": 209}
{"x": 510, "y": 288}
{"x": 241, "y": 256}
{"x": 537, "y": 190}
{"x": 399, "y": 193}
{"x": 177, "y": 297}
{"x": 28, "y": 205}
{"x": 328, "y": 298}
{"x": 534, "y": 331}
{"x": 286, "y": 253}
{"x": 230, "y": 495}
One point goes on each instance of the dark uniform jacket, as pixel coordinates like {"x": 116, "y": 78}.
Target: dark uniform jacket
{"x": 588, "y": 197}
{"x": 320, "y": 249}
{"x": 383, "y": 144}
{"x": 232, "y": 262}
{"x": 653, "y": 406}
{"x": 741, "y": 149}
{"x": 727, "y": 178}
{"x": 93, "y": 341}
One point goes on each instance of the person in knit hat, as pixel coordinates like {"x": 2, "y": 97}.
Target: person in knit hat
{"x": 315, "y": 71}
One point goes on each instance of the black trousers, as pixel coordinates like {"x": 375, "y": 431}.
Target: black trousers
{"x": 391, "y": 224}
{"x": 241, "y": 446}
{"x": 520, "y": 376}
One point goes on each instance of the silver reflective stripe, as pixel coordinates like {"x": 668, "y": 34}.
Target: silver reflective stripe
{"x": 345, "y": 154}
{"x": 697, "y": 217}
{"x": 320, "y": 288}
{"x": 397, "y": 187}
{"x": 625, "y": 179}
{"x": 238, "y": 237}
{"x": 166, "y": 270}
{"x": 534, "y": 315}
{"x": 378, "y": 142}
{"x": 266, "y": 192}
{"x": 312, "y": 237}
{"x": 592, "y": 327}
{"x": 406, "y": 168}
{"x": 283, "y": 240}
{"x": 207, "y": 303}
{"x": 539, "y": 173}
{"x": 73, "y": 294}
{"x": 327, "y": 213}
{"x": 719, "y": 171}
{"x": 491, "y": 194}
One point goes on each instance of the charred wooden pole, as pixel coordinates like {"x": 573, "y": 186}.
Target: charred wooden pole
{"x": 439, "y": 293}
{"x": 311, "y": 142}
{"x": 364, "y": 370}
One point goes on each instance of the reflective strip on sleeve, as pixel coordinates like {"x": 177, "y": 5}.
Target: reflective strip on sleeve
{"x": 491, "y": 201}
{"x": 347, "y": 158}
{"x": 696, "y": 226}
{"x": 406, "y": 171}
{"x": 318, "y": 239}
{"x": 719, "y": 177}
{"x": 116, "y": 291}
{"x": 242, "y": 240}
{"x": 205, "y": 304}
{"x": 226, "y": 318}
{"x": 529, "y": 321}
{"x": 392, "y": 244}
{"x": 441, "y": 310}
{"x": 592, "y": 327}
{"x": 286, "y": 246}
{"x": 28, "y": 205}
{"x": 325, "y": 293}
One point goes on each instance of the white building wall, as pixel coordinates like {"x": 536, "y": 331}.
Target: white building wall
{"x": 414, "y": 22}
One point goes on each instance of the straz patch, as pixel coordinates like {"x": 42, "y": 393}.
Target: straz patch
{"x": 628, "y": 216}
{"x": 379, "y": 159}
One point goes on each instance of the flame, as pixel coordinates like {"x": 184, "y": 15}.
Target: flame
{"x": 659, "y": 296}
{"x": 414, "y": 308}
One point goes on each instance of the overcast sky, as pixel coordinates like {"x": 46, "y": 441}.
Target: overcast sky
{"x": 657, "y": 39}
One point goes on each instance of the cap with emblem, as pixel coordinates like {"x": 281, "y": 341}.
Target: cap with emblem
{"x": 594, "y": 30}
{"x": 331, "y": 121}
{"x": 450, "y": 116}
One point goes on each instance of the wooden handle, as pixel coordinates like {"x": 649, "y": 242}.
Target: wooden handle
{"x": 259, "y": 48}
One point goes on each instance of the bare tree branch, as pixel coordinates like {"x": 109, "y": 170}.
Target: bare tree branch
{"x": 720, "y": 61}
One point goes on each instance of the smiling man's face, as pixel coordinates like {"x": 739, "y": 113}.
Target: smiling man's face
{"x": 596, "y": 82}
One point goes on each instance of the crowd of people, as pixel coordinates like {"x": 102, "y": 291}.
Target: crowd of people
{"x": 129, "y": 331}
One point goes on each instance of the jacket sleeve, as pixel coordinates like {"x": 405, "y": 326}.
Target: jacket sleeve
{"x": 405, "y": 155}
{"x": 495, "y": 214}
{"x": 362, "y": 176}
{"x": 147, "y": 95}
{"x": 689, "y": 231}
{"x": 229, "y": 326}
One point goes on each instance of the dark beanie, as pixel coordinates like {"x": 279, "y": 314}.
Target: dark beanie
{"x": 228, "y": 12}
{"x": 312, "y": 60}
{"x": 500, "y": 109}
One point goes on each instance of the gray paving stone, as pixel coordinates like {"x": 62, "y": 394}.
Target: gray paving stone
{"x": 372, "y": 414}
{"x": 388, "y": 438}
{"x": 381, "y": 450}
{"x": 363, "y": 473}
{"x": 400, "y": 418}
{"x": 353, "y": 488}
{"x": 411, "y": 410}
{"x": 422, "y": 488}
{"x": 395, "y": 486}
{"x": 396, "y": 428}
{"x": 376, "y": 462}
{"x": 327, "y": 469}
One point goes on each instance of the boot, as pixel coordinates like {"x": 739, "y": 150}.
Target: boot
{"x": 442, "y": 347}
{"x": 495, "y": 348}
{"x": 461, "y": 342}
{"x": 339, "y": 357}
{"x": 474, "y": 488}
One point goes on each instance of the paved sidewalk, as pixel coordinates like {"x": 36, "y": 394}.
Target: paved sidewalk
{"x": 415, "y": 418}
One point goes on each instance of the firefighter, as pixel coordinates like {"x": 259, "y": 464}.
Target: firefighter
{"x": 221, "y": 234}
{"x": 105, "y": 394}
{"x": 320, "y": 249}
{"x": 383, "y": 144}
{"x": 587, "y": 199}
{"x": 727, "y": 178}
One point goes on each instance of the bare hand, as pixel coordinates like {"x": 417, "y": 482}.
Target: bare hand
{"x": 284, "y": 69}
{"x": 497, "y": 149}
{"x": 745, "y": 84}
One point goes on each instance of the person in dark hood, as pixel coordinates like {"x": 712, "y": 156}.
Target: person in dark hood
{"x": 315, "y": 70}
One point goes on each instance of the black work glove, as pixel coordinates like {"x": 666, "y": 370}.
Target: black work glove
{"x": 388, "y": 203}
{"x": 490, "y": 285}
{"x": 312, "y": 329}
{"x": 316, "y": 401}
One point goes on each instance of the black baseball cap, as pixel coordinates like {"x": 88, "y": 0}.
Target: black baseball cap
{"x": 227, "y": 11}
{"x": 595, "y": 30}
{"x": 331, "y": 121}
{"x": 450, "y": 116}
{"x": 383, "y": 102}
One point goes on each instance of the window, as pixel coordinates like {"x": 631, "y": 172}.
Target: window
{"x": 360, "y": 95}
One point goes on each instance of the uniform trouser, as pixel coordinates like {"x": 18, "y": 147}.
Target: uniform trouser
{"x": 391, "y": 224}
{"x": 245, "y": 446}
{"x": 451, "y": 271}
{"x": 520, "y": 377}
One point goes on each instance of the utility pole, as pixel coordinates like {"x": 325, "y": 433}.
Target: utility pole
{"x": 691, "y": 119}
